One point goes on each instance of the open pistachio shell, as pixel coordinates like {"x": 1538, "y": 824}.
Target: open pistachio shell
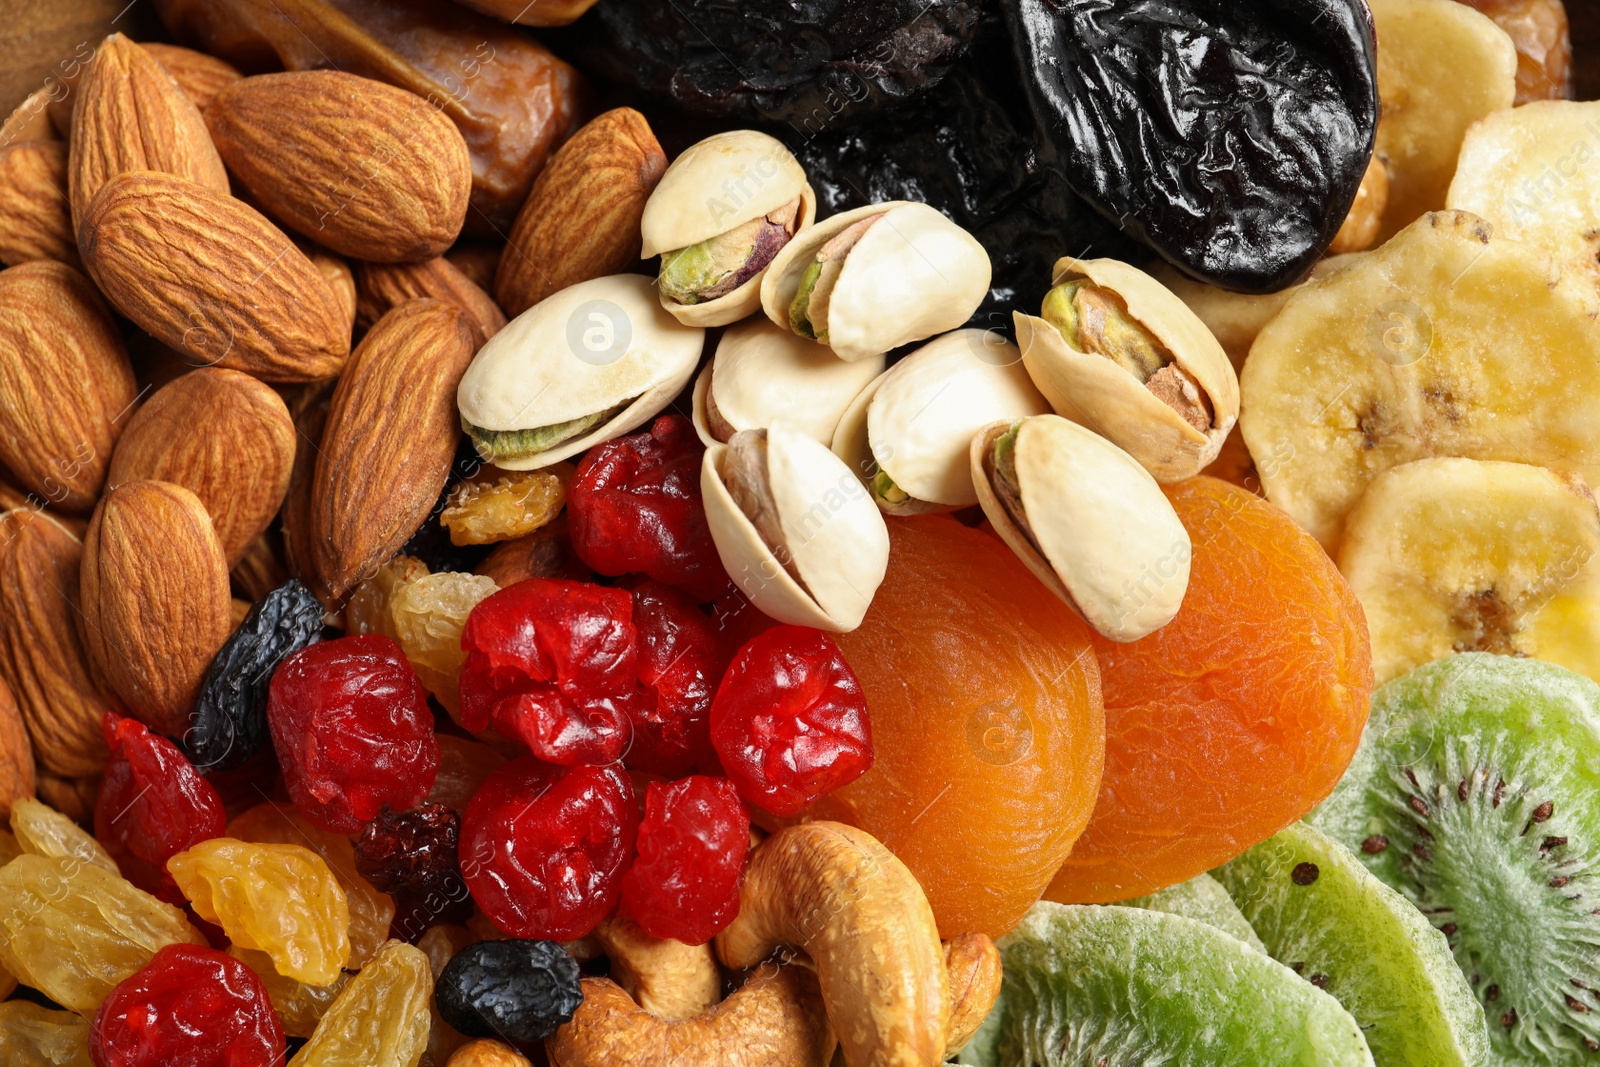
{"x": 913, "y": 274}
{"x": 761, "y": 374}
{"x": 717, "y": 185}
{"x": 915, "y": 421}
{"x": 1104, "y": 537}
{"x": 602, "y": 350}
{"x": 833, "y": 537}
{"x": 1092, "y": 390}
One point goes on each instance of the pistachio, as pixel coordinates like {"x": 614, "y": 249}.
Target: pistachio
{"x": 720, "y": 214}
{"x": 873, "y": 279}
{"x": 582, "y": 366}
{"x": 762, "y": 373}
{"x": 793, "y": 527}
{"x": 907, "y": 433}
{"x": 1117, "y": 351}
{"x": 1087, "y": 519}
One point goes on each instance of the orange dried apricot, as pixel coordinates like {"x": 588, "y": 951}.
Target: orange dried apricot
{"x": 986, "y": 720}
{"x": 1233, "y": 720}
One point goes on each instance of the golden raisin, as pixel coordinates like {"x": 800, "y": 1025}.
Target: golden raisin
{"x": 42, "y": 831}
{"x": 428, "y": 615}
{"x": 10, "y": 850}
{"x": 368, "y": 609}
{"x": 498, "y": 505}
{"x": 300, "y": 1006}
{"x": 33, "y": 1036}
{"x": 381, "y": 1018}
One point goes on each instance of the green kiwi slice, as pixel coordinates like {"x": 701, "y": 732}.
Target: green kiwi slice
{"x": 1088, "y": 984}
{"x": 1320, "y": 911}
{"x": 1476, "y": 794}
{"x": 1202, "y": 897}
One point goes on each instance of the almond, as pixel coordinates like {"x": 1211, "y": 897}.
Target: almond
{"x": 201, "y": 77}
{"x": 31, "y": 120}
{"x": 381, "y": 287}
{"x": 582, "y": 219}
{"x": 391, "y": 436}
{"x": 308, "y": 425}
{"x": 212, "y": 278}
{"x": 369, "y": 170}
{"x": 65, "y": 383}
{"x": 131, "y": 115}
{"x": 41, "y": 656}
{"x": 35, "y": 219}
{"x": 477, "y": 261}
{"x": 72, "y": 797}
{"x": 340, "y": 278}
{"x": 16, "y": 753}
{"x": 156, "y": 606}
{"x": 224, "y": 436}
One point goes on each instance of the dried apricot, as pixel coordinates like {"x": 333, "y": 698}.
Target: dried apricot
{"x": 1233, "y": 720}
{"x": 986, "y": 722}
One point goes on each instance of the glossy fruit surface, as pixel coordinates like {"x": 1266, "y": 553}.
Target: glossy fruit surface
{"x": 410, "y": 851}
{"x": 692, "y": 843}
{"x": 380, "y": 1019}
{"x": 517, "y": 990}
{"x": 681, "y": 659}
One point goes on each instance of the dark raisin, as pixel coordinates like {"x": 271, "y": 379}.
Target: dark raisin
{"x": 518, "y": 991}
{"x": 229, "y": 722}
{"x": 415, "y": 851}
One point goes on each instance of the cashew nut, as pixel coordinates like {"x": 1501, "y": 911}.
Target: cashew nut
{"x": 668, "y": 979}
{"x": 973, "y": 963}
{"x": 839, "y": 895}
{"x": 776, "y": 1017}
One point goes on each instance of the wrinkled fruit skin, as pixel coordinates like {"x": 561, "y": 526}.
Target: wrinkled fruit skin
{"x": 229, "y": 721}
{"x": 517, "y": 991}
{"x": 189, "y": 1007}
{"x": 692, "y": 844}
{"x": 681, "y": 659}
{"x": 790, "y": 720}
{"x": 1229, "y": 137}
{"x": 543, "y": 848}
{"x": 411, "y": 851}
{"x": 634, "y": 508}
{"x": 153, "y": 804}
{"x": 353, "y": 731}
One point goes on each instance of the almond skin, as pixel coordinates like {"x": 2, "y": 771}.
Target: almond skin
{"x": 131, "y": 115}
{"x": 201, "y": 77}
{"x": 72, "y": 797}
{"x": 65, "y": 383}
{"x": 369, "y": 170}
{"x": 582, "y": 219}
{"x": 35, "y": 219}
{"x": 16, "y": 754}
{"x": 41, "y": 656}
{"x": 156, "y": 606}
{"x": 381, "y": 287}
{"x": 224, "y": 436}
{"x": 31, "y": 120}
{"x": 211, "y": 278}
{"x": 390, "y": 439}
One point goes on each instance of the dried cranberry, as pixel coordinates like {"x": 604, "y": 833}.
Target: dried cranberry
{"x": 153, "y": 804}
{"x": 543, "y": 848}
{"x": 790, "y": 721}
{"x": 188, "y": 1007}
{"x": 634, "y": 508}
{"x": 353, "y": 731}
{"x": 412, "y": 851}
{"x": 554, "y": 664}
{"x": 681, "y": 658}
{"x": 692, "y": 845}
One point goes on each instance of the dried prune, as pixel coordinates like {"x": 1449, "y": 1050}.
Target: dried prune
{"x": 681, "y": 659}
{"x": 229, "y": 721}
{"x": 808, "y": 62}
{"x": 1229, "y": 137}
{"x": 381, "y": 1018}
{"x": 692, "y": 845}
{"x": 414, "y": 851}
{"x": 518, "y": 991}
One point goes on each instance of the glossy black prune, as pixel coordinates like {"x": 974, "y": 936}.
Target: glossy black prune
{"x": 518, "y": 991}
{"x": 1228, "y": 135}
{"x": 229, "y": 722}
{"x": 416, "y": 850}
{"x": 807, "y": 63}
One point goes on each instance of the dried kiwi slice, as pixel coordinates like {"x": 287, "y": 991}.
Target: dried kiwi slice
{"x": 1475, "y": 793}
{"x": 1089, "y": 984}
{"x": 1320, "y": 911}
{"x": 1202, "y": 897}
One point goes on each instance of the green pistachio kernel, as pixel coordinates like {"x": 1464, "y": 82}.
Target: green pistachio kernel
{"x": 884, "y": 489}
{"x": 701, "y": 271}
{"x": 499, "y": 445}
{"x": 800, "y": 308}
{"x": 1094, "y": 320}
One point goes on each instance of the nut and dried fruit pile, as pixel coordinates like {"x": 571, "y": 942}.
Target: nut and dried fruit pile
{"x": 876, "y": 548}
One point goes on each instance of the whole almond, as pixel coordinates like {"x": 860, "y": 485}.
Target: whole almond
{"x": 201, "y": 77}
{"x": 340, "y": 278}
{"x": 224, "y": 436}
{"x": 66, "y": 386}
{"x": 41, "y": 655}
{"x": 131, "y": 115}
{"x": 16, "y": 753}
{"x": 582, "y": 219}
{"x": 380, "y": 287}
{"x": 210, "y": 277}
{"x": 478, "y": 261}
{"x": 31, "y": 120}
{"x": 369, "y": 170}
{"x": 72, "y": 797}
{"x": 390, "y": 439}
{"x": 35, "y": 219}
{"x": 156, "y": 606}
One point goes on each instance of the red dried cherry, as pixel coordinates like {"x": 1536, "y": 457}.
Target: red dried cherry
{"x": 188, "y": 1007}
{"x": 790, "y": 721}
{"x": 692, "y": 845}
{"x": 681, "y": 658}
{"x": 635, "y": 508}
{"x": 543, "y": 848}
{"x": 553, "y": 664}
{"x": 353, "y": 731}
{"x": 153, "y": 804}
